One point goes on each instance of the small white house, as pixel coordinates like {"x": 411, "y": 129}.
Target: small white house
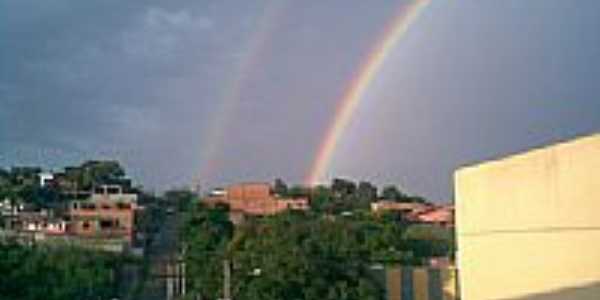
{"x": 9, "y": 209}
{"x": 45, "y": 178}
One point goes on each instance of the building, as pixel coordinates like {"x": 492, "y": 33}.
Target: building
{"x": 46, "y": 179}
{"x": 418, "y": 283}
{"x": 442, "y": 215}
{"x": 528, "y": 226}
{"x": 108, "y": 213}
{"x": 66, "y": 185}
{"x": 104, "y": 220}
{"x": 27, "y": 226}
{"x": 40, "y": 222}
{"x": 405, "y": 208}
{"x": 254, "y": 199}
{"x": 10, "y": 209}
{"x": 112, "y": 193}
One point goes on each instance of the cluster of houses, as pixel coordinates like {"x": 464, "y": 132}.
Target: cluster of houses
{"x": 253, "y": 199}
{"x": 101, "y": 218}
{"x": 259, "y": 199}
{"x": 105, "y": 216}
{"x": 416, "y": 212}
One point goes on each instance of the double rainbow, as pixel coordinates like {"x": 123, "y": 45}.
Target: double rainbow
{"x": 359, "y": 84}
{"x": 250, "y": 59}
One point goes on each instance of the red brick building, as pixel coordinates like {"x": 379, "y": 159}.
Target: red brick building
{"x": 254, "y": 199}
{"x": 438, "y": 215}
{"x": 442, "y": 215}
{"x": 407, "y": 208}
{"x": 109, "y": 213}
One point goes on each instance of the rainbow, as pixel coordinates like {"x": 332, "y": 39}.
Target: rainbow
{"x": 250, "y": 58}
{"x": 359, "y": 84}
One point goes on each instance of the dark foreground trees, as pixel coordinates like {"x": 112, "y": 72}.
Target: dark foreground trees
{"x": 303, "y": 255}
{"x": 297, "y": 256}
{"x": 206, "y": 234}
{"x": 32, "y": 273}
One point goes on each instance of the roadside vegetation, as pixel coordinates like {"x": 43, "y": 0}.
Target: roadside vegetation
{"x": 335, "y": 251}
{"x": 45, "y": 273}
{"x": 32, "y": 270}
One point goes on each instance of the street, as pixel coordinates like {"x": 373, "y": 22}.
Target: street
{"x": 163, "y": 282}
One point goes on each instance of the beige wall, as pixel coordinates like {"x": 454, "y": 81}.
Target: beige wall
{"x": 530, "y": 224}
{"x": 249, "y": 191}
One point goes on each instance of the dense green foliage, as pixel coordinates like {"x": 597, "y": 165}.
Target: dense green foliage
{"x": 93, "y": 173}
{"x": 280, "y": 187}
{"x": 303, "y": 255}
{"x": 32, "y": 273}
{"x": 206, "y": 234}
{"x": 21, "y": 184}
{"x": 179, "y": 199}
{"x": 391, "y": 192}
{"x": 56, "y": 271}
{"x": 344, "y": 195}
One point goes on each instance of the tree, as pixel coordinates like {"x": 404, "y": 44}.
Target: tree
{"x": 298, "y": 191}
{"x": 33, "y": 273}
{"x": 302, "y": 256}
{"x": 180, "y": 198}
{"x": 24, "y": 175}
{"x": 391, "y": 192}
{"x": 93, "y": 173}
{"x": 321, "y": 199}
{"x": 367, "y": 190}
{"x": 280, "y": 188}
{"x": 366, "y": 193}
{"x": 4, "y": 177}
{"x": 5, "y": 184}
{"x": 102, "y": 172}
{"x": 206, "y": 234}
{"x": 342, "y": 187}
{"x": 427, "y": 241}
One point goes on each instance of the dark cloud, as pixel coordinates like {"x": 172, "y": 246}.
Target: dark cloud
{"x": 144, "y": 80}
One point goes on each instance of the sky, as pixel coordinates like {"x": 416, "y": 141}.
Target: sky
{"x": 220, "y": 91}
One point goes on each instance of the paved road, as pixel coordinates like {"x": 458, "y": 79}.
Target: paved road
{"x": 162, "y": 250}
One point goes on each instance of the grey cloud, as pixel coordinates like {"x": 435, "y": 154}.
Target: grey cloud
{"x": 160, "y": 34}
{"x": 141, "y": 80}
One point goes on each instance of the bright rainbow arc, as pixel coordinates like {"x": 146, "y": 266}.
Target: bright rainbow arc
{"x": 232, "y": 95}
{"x": 359, "y": 85}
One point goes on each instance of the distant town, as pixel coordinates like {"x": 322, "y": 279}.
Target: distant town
{"x": 88, "y": 231}
{"x": 92, "y": 205}
{"x": 96, "y": 205}
{"x": 97, "y": 209}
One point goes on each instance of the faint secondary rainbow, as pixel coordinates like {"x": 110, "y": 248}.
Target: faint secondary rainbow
{"x": 249, "y": 59}
{"x": 359, "y": 84}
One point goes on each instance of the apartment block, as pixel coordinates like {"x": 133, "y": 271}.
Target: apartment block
{"x": 109, "y": 213}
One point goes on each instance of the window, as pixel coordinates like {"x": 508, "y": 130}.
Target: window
{"x": 88, "y": 206}
{"x": 123, "y": 206}
{"x": 113, "y": 190}
{"x": 106, "y": 224}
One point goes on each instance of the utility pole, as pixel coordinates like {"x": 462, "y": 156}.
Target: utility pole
{"x": 226, "y": 280}
{"x": 169, "y": 277}
{"x": 183, "y": 272}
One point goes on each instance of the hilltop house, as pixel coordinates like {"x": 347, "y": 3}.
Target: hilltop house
{"x": 108, "y": 213}
{"x": 253, "y": 199}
